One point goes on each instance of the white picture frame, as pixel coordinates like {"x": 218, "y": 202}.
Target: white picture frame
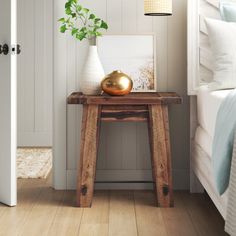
{"x": 133, "y": 54}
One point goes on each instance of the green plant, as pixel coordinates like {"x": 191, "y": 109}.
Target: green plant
{"x": 81, "y": 22}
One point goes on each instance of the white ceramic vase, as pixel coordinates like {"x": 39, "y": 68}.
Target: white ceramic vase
{"x": 92, "y": 73}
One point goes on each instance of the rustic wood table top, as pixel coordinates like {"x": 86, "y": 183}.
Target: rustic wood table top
{"x": 130, "y": 99}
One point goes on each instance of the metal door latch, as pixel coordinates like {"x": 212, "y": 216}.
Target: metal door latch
{"x": 16, "y": 49}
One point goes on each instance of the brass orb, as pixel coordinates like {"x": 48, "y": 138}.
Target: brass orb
{"x": 117, "y": 83}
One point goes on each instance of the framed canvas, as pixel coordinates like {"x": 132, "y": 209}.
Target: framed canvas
{"x": 133, "y": 54}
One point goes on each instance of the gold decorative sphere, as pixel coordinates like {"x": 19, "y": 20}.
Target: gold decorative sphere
{"x": 117, "y": 83}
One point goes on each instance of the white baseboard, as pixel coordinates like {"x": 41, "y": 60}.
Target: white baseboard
{"x": 180, "y": 179}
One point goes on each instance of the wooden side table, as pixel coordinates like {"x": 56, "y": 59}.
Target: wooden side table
{"x": 135, "y": 107}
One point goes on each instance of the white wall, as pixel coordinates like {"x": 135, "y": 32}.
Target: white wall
{"x": 35, "y": 72}
{"x": 124, "y": 150}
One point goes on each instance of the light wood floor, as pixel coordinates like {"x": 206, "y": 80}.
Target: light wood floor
{"x": 43, "y": 211}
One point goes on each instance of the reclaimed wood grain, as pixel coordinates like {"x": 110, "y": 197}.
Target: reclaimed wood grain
{"x": 160, "y": 150}
{"x": 88, "y": 154}
{"x": 135, "y": 107}
{"x": 135, "y": 113}
{"x": 130, "y": 99}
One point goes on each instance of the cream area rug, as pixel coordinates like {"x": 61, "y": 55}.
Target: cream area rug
{"x": 34, "y": 163}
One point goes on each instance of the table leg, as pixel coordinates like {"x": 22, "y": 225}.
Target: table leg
{"x": 161, "y": 154}
{"x": 88, "y": 154}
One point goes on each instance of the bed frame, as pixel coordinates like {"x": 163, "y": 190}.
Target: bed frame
{"x": 200, "y": 71}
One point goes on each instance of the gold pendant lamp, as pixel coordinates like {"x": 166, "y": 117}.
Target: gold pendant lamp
{"x": 158, "y": 7}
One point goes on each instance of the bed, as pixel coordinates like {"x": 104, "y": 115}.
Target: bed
{"x": 208, "y": 104}
{"x": 204, "y": 104}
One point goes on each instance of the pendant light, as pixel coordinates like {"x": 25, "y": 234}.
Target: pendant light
{"x": 158, "y": 7}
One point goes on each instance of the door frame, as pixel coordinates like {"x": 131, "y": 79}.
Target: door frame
{"x": 59, "y": 101}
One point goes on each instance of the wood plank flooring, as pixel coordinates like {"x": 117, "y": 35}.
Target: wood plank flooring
{"x": 43, "y": 211}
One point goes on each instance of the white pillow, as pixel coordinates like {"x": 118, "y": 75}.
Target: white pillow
{"x": 222, "y": 37}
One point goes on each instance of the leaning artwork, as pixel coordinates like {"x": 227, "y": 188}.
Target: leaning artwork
{"x": 133, "y": 55}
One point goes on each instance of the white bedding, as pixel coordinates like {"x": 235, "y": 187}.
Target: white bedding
{"x": 208, "y": 104}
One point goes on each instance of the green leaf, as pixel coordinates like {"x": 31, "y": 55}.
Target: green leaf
{"x": 98, "y": 34}
{"x": 68, "y": 11}
{"x": 83, "y": 29}
{"x": 96, "y": 27}
{"x": 81, "y": 22}
{"x": 63, "y": 29}
{"x": 97, "y": 20}
{"x": 85, "y": 10}
{"x": 91, "y": 33}
{"x": 80, "y": 36}
{"x": 74, "y": 31}
{"x": 104, "y": 25}
{"x": 92, "y": 16}
{"x": 62, "y": 20}
{"x": 68, "y": 4}
{"x": 68, "y": 20}
{"x": 79, "y": 8}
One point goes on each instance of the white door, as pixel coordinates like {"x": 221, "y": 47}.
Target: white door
{"x": 35, "y": 72}
{"x": 7, "y": 103}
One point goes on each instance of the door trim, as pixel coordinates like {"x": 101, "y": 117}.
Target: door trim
{"x": 59, "y": 102}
